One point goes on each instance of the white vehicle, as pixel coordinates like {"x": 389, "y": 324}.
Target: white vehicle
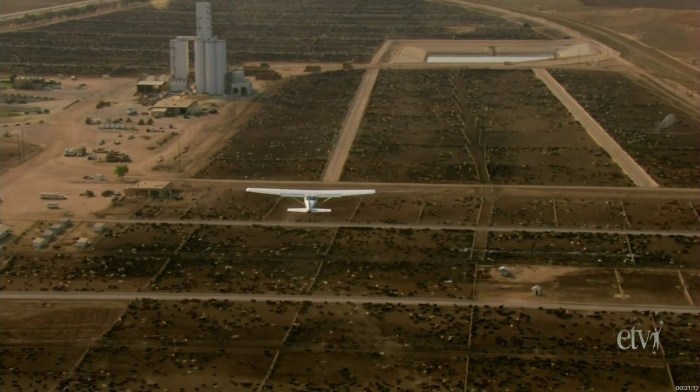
{"x": 311, "y": 196}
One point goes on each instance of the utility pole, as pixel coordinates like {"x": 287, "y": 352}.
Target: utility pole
{"x": 179, "y": 156}
{"x": 22, "y": 143}
{"x": 579, "y": 54}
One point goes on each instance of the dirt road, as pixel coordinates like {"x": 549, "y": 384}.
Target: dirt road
{"x": 628, "y": 165}
{"x": 396, "y": 226}
{"x": 60, "y": 7}
{"x": 336, "y": 162}
{"x": 547, "y": 191}
{"x": 160, "y": 296}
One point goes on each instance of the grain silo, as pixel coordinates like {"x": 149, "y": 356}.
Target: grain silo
{"x": 210, "y": 64}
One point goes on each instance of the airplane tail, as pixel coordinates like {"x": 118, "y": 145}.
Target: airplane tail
{"x": 306, "y": 210}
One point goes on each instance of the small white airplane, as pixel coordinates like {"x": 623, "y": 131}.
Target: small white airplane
{"x": 310, "y": 196}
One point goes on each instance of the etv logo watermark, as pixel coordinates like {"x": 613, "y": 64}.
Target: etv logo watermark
{"x": 627, "y": 339}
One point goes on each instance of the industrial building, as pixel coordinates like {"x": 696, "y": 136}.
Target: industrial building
{"x": 151, "y": 86}
{"x": 152, "y": 189}
{"x": 175, "y": 106}
{"x": 209, "y": 57}
{"x": 239, "y": 86}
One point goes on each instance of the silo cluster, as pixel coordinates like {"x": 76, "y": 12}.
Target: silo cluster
{"x": 210, "y": 64}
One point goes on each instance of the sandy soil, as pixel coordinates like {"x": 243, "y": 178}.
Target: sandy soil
{"x": 597, "y": 133}
{"x": 64, "y": 127}
{"x": 43, "y": 340}
{"x": 9, "y": 7}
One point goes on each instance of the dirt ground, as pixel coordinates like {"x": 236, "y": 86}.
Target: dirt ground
{"x": 41, "y": 341}
{"x": 671, "y": 251}
{"x": 585, "y": 249}
{"x": 411, "y": 132}
{"x": 64, "y": 127}
{"x": 588, "y": 285}
{"x": 254, "y": 242}
{"x": 262, "y": 31}
{"x": 61, "y": 272}
{"x": 166, "y": 344}
{"x": 554, "y": 332}
{"x": 668, "y": 26}
{"x": 557, "y": 283}
{"x": 388, "y": 245}
{"x": 681, "y": 336}
{"x": 589, "y": 213}
{"x": 11, "y": 150}
{"x": 692, "y": 280}
{"x": 143, "y": 239}
{"x": 347, "y": 371}
{"x": 593, "y": 213}
{"x": 10, "y": 7}
{"x": 287, "y": 139}
{"x": 665, "y": 216}
{"x": 450, "y": 210}
{"x": 344, "y": 346}
{"x": 633, "y": 115}
{"x": 389, "y": 208}
{"x": 528, "y": 136}
{"x": 192, "y": 273}
{"x": 229, "y": 204}
{"x": 459, "y": 126}
{"x": 168, "y": 208}
{"x": 506, "y": 372}
{"x": 652, "y": 287}
{"x": 523, "y": 212}
{"x": 375, "y": 347}
{"x": 452, "y": 279}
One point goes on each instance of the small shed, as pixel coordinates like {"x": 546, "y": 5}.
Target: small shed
{"x": 5, "y": 231}
{"x": 159, "y": 112}
{"x": 151, "y": 86}
{"x": 99, "y": 227}
{"x": 48, "y": 234}
{"x": 536, "y": 290}
{"x": 240, "y": 86}
{"x": 174, "y": 106}
{"x": 82, "y": 243}
{"x": 39, "y": 243}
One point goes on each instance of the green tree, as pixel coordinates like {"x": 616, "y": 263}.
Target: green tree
{"x": 121, "y": 170}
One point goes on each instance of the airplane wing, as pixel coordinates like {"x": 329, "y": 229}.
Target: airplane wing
{"x": 307, "y": 193}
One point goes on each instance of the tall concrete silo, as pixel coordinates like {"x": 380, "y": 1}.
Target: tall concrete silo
{"x": 200, "y": 71}
{"x": 221, "y": 67}
{"x": 179, "y": 64}
{"x": 210, "y": 64}
{"x": 204, "y": 21}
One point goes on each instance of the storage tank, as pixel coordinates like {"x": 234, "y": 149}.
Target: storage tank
{"x": 204, "y": 19}
{"x": 211, "y": 66}
{"x": 221, "y": 67}
{"x": 179, "y": 58}
{"x": 200, "y": 66}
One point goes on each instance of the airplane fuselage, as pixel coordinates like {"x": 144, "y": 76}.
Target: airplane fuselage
{"x": 310, "y": 203}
